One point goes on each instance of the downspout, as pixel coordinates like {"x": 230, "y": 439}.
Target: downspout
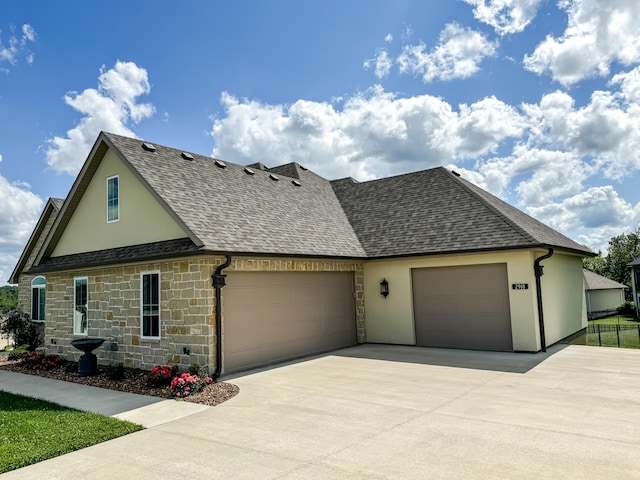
{"x": 539, "y": 271}
{"x": 218, "y": 281}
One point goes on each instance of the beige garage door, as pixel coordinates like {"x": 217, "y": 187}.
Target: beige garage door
{"x": 462, "y": 307}
{"x": 271, "y": 317}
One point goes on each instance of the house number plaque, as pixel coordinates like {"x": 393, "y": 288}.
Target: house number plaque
{"x": 520, "y": 286}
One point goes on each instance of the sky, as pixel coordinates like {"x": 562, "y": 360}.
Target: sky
{"x": 536, "y": 101}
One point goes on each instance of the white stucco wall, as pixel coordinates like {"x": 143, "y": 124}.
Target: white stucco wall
{"x": 142, "y": 218}
{"x": 390, "y": 320}
{"x": 563, "y": 296}
{"x": 604, "y": 300}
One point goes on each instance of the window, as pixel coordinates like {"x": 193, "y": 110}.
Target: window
{"x": 150, "y": 307}
{"x": 38, "y": 296}
{"x": 80, "y": 306}
{"x": 113, "y": 195}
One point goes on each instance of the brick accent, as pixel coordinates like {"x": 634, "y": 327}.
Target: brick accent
{"x": 187, "y": 310}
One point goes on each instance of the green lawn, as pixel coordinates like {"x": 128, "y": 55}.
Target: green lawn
{"x": 615, "y": 319}
{"x": 33, "y": 430}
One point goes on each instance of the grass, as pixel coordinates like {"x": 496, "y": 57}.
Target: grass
{"x": 627, "y": 336}
{"x": 615, "y": 320}
{"x": 33, "y": 430}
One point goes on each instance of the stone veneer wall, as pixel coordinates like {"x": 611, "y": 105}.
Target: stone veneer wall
{"x": 187, "y": 308}
{"x": 187, "y": 321}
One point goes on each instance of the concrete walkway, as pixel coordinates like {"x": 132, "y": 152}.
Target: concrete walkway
{"x": 388, "y": 412}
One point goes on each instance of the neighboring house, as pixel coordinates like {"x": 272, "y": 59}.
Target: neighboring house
{"x": 603, "y": 295}
{"x": 635, "y": 283}
{"x": 138, "y": 252}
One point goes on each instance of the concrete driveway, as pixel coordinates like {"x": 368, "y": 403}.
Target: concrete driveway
{"x": 389, "y": 412}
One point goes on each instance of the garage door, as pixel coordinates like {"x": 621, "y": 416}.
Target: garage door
{"x": 462, "y": 307}
{"x": 271, "y": 317}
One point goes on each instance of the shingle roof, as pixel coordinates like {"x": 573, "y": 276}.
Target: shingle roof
{"x": 229, "y": 210}
{"x": 634, "y": 263}
{"x": 288, "y": 210}
{"x": 148, "y": 251}
{"x": 435, "y": 211}
{"x": 593, "y": 281}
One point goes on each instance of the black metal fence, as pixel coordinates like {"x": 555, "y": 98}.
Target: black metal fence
{"x": 613, "y": 335}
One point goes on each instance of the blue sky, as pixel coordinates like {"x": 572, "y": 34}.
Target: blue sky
{"x": 536, "y": 101}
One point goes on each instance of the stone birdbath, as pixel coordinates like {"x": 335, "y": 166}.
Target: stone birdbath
{"x": 88, "y": 363}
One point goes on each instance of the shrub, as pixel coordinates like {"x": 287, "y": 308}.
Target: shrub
{"x": 626, "y": 309}
{"x": 161, "y": 375}
{"x": 42, "y": 361}
{"x": 197, "y": 370}
{"x": 18, "y": 352}
{"x": 19, "y": 326}
{"x": 114, "y": 372}
{"x": 187, "y": 384}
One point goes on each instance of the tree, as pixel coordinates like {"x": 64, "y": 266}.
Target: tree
{"x": 595, "y": 264}
{"x": 623, "y": 249}
{"x": 20, "y": 328}
{"x": 8, "y": 298}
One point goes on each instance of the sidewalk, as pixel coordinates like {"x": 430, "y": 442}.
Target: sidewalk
{"x": 141, "y": 409}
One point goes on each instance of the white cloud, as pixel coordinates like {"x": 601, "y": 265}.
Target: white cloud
{"x": 382, "y": 63}
{"x": 598, "y": 33}
{"x": 18, "y": 45}
{"x": 111, "y": 107}
{"x": 388, "y": 38}
{"x": 19, "y": 211}
{"x": 606, "y": 130}
{"x": 373, "y": 134}
{"x": 505, "y": 16}
{"x": 457, "y": 55}
{"x": 594, "y": 215}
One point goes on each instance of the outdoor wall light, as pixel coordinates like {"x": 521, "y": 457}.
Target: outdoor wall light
{"x": 384, "y": 288}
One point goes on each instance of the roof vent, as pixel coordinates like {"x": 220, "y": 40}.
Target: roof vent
{"x": 296, "y": 183}
{"x": 455, "y": 173}
{"x": 186, "y": 156}
{"x": 303, "y": 168}
{"x": 149, "y": 147}
{"x": 248, "y": 171}
{"x": 274, "y": 177}
{"x": 221, "y": 164}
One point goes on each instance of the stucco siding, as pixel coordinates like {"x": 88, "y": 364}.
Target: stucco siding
{"x": 602, "y": 302}
{"x": 142, "y": 218}
{"x": 391, "y": 319}
{"x": 563, "y": 296}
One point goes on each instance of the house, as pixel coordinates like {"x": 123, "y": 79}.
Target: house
{"x": 635, "y": 283}
{"x": 603, "y": 295}
{"x": 178, "y": 258}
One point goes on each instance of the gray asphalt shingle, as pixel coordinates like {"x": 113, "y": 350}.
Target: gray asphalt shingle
{"x": 289, "y": 210}
{"x": 436, "y": 211}
{"x": 232, "y": 211}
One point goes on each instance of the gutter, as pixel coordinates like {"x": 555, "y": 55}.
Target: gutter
{"x": 218, "y": 281}
{"x": 539, "y": 271}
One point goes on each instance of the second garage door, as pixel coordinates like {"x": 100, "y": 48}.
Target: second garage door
{"x": 462, "y": 307}
{"x": 271, "y": 317}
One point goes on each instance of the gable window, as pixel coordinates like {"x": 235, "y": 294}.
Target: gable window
{"x": 80, "y": 306}
{"x": 113, "y": 195}
{"x": 38, "y": 298}
{"x": 150, "y": 305}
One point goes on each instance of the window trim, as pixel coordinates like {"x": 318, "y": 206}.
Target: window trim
{"x": 142, "y": 304}
{"x": 73, "y": 307}
{"x": 39, "y": 287}
{"x": 117, "y": 199}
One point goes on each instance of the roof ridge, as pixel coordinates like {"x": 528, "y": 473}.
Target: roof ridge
{"x": 465, "y": 185}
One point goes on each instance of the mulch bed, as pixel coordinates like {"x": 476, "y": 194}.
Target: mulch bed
{"x": 134, "y": 382}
